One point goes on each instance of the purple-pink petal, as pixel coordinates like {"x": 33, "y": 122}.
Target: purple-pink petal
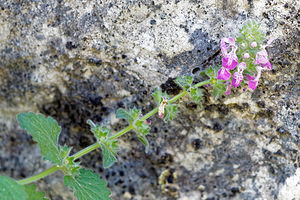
{"x": 223, "y": 74}
{"x": 237, "y": 79}
{"x": 229, "y": 62}
{"x": 262, "y": 57}
{"x": 252, "y": 84}
{"x": 268, "y": 65}
{"x": 249, "y": 78}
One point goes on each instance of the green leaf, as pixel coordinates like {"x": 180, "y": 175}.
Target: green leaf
{"x": 158, "y": 96}
{"x": 219, "y": 89}
{"x": 101, "y": 133}
{"x": 33, "y": 194}
{"x": 109, "y": 147}
{"x": 109, "y": 152}
{"x": 143, "y": 139}
{"x": 45, "y": 131}
{"x": 141, "y": 127}
{"x": 196, "y": 95}
{"x": 210, "y": 72}
{"x": 170, "y": 112}
{"x": 11, "y": 190}
{"x": 87, "y": 185}
{"x": 185, "y": 82}
{"x": 129, "y": 115}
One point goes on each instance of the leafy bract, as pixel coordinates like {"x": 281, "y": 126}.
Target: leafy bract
{"x": 158, "y": 96}
{"x": 185, "y": 82}
{"x": 109, "y": 152}
{"x": 219, "y": 89}
{"x": 109, "y": 147}
{"x": 87, "y": 185}
{"x": 196, "y": 95}
{"x": 143, "y": 139}
{"x": 170, "y": 112}
{"x": 45, "y": 131}
{"x": 129, "y": 115}
{"x": 134, "y": 117}
{"x": 11, "y": 190}
{"x": 211, "y": 73}
{"x": 217, "y": 84}
{"x": 33, "y": 194}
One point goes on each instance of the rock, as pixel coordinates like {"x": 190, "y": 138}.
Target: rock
{"x": 79, "y": 60}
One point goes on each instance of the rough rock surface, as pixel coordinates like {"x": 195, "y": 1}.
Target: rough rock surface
{"x": 75, "y": 60}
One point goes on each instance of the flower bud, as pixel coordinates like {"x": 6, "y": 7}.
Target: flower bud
{"x": 253, "y": 44}
{"x": 246, "y": 55}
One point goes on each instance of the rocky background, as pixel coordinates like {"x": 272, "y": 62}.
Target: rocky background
{"x": 79, "y": 60}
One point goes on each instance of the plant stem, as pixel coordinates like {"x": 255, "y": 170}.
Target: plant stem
{"x": 202, "y": 83}
{"x": 39, "y": 176}
{"x": 86, "y": 150}
{"x": 97, "y": 145}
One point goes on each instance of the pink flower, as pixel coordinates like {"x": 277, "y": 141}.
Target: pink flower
{"x": 226, "y": 43}
{"x": 237, "y": 79}
{"x": 262, "y": 57}
{"x": 223, "y": 74}
{"x": 161, "y": 108}
{"x": 268, "y": 65}
{"x": 238, "y": 76}
{"x": 253, "y": 82}
{"x": 229, "y": 60}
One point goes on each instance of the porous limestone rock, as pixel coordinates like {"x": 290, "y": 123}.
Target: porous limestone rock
{"x": 79, "y": 60}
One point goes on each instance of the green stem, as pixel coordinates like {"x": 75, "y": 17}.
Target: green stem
{"x": 202, "y": 83}
{"x": 39, "y": 176}
{"x": 97, "y": 145}
{"x": 86, "y": 150}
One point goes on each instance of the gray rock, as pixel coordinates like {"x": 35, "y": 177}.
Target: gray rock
{"x": 79, "y": 60}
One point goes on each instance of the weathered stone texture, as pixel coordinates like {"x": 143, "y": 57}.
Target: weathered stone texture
{"x": 79, "y": 60}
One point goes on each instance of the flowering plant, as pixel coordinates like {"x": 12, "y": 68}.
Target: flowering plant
{"x": 244, "y": 56}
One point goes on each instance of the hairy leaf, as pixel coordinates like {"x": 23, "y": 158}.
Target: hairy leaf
{"x": 129, "y": 115}
{"x": 196, "y": 95}
{"x": 170, "y": 112}
{"x": 11, "y": 190}
{"x": 185, "y": 82}
{"x": 45, "y": 131}
{"x": 87, "y": 185}
{"x": 210, "y": 72}
{"x": 142, "y": 127}
{"x": 109, "y": 147}
{"x": 109, "y": 152}
{"x": 219, "y": 89}
{"x": 158, "y": 95}
{"x": 33, "y": 194}
{"x": 143, "y": 139}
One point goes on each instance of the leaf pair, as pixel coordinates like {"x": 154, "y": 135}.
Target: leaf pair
{"x": 186, "y": 84}
{"x": 217, "y": 84}
{"x": 134, "y": 118}
{"x": 11, "y": 190}
{"x": 109, "y": 147}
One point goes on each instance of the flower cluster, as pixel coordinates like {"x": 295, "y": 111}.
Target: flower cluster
{"x": 233, "y": 68}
